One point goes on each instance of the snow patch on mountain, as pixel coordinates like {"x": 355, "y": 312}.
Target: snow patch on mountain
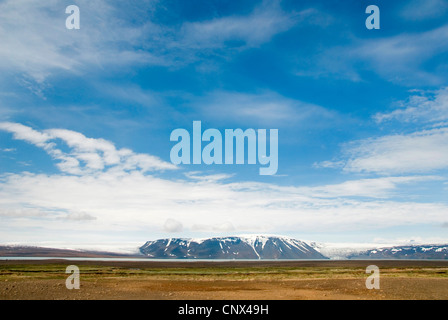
{"x": 232, "y": 247}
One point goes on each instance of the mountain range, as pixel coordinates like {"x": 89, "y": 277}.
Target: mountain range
{"x": 404, "y": 252}
{"x": 242, "y": 247}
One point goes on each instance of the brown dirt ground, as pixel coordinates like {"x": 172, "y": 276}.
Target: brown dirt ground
{"x": 298, "y": 280}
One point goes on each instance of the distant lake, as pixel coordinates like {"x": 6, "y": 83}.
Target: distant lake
{"x": 149, "y": 259}
{"x": 202, "y": 260}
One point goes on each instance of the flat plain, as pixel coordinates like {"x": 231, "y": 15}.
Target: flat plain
{"x": 235, "y": 280}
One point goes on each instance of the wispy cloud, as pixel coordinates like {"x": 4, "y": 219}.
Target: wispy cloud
{"x": 423, "y": 150}
{"x": 79, "y": 216}
{"x": 208, "y": 42}
{"x": 87, "y": 155}
{"x": 372, "y": 188}
{"x": 261, "y": 108}
{"x": 137, "y": 202}
{"x": 172, "y": 225}
{"x": 8, "y": 150}
{"x": 419, "y": 152}
{"x": 102, "y": 78}
{"x": 115, "y": 199}
{"x": 251, "y": 30}
{"x": 428, "y": 107}
{"x": 49, "y": 47}
{"x": 109, "y": 39}
{"x": 402, "y": 58}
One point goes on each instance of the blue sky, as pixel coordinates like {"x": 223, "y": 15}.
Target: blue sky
{"x": 86, "y": 116}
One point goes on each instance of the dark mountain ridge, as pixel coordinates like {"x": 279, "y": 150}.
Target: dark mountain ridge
{"x": 236, "y": 247}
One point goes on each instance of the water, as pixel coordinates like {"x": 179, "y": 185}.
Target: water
{"x": 200, "y": 260}
{"x": 150, "y": 260}
{"x": 73, "y": 258}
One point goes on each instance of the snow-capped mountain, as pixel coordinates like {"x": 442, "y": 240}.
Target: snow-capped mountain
{"x": 341, "y": 251}
{"x": 235, "y": 247}
{"x": 404, "y": 252}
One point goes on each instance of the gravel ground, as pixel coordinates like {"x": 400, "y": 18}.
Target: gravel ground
{"x": 172, "y": 280}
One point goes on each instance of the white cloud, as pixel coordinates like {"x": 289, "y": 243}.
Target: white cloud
{"x": 21, "y": 132}
{"x": 260, "y": 109}
{"x": 372, "y": 188}
{"x": 136, "y": 202}
{"x": 225, "y": 227}
{"x": 224, "y": 36}
{"x": 196, "y": 175}
{"x": 422, "y": 151}
{"x": 428, "y": 107}
{"x": 254, "y": 29}
{"x": 87, "y": 155}
{"x": 22, "y": 212}
{"x": 329, "y": 164}
{"x": 419, "y": 152}
{"x": 401, "y": 58}
{"x": 36, "y": 43}
{"x": 172, "y": 225}
{"x": 79, "y": 216}
{"x": 132, "y": 94}
{"x": 118, "y": 200}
